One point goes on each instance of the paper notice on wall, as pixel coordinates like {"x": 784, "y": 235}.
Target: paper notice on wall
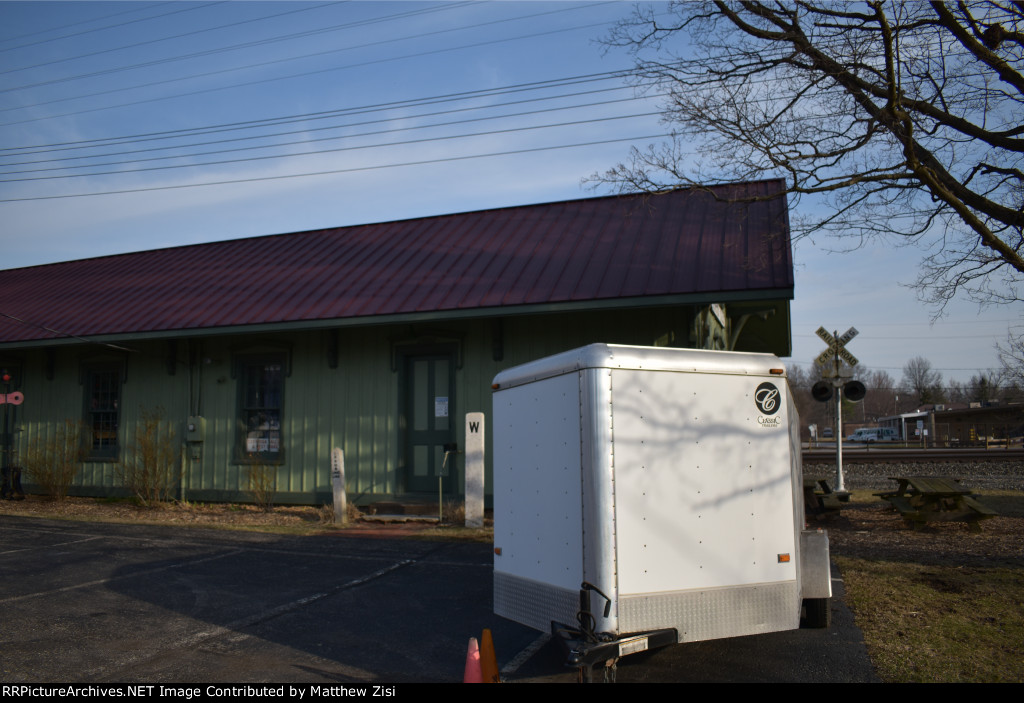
{"x": 441, "y": 406}
{"x": 250, "y": 444}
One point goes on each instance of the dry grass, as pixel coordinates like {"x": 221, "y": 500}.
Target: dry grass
{"x": 456, "y": 533}
{"x": 282, "y": 519}
{"x": 928, "y": 623}
{"x": 289, "y": 519}
{"x": 940, "y": 604}
{"x": 454, "y": 512}
{"x": 352, "y": 514}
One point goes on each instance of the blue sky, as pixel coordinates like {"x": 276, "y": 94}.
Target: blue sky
{"x": 404, "y": 109}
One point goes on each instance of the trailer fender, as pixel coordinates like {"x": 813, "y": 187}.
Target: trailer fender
{"x": 815, "y": 572}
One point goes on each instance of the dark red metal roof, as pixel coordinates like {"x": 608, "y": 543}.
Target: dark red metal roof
{"x": 690, "y": 243}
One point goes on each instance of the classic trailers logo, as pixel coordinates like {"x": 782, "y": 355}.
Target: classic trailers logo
{"x": 768, "y": 400}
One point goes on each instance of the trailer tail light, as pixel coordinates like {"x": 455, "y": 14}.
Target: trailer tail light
{"x": 783, "y": 558}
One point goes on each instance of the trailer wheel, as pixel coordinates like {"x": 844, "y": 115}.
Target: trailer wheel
{"x": 817, "y": 613}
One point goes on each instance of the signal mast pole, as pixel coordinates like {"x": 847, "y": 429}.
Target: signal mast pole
{"x": 831, "y": 366}
{"x": 837, "y": 384}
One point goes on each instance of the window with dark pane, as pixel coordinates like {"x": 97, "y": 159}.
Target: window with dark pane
{"x": 102, "y": 412}
{"x": 261, "y": 409}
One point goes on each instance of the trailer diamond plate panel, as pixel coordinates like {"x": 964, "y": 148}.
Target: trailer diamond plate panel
{"x": 532, "y": 603}
{"x": 716, "y": 612}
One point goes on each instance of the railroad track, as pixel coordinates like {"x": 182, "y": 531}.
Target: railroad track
{"x": 875, "y": 455}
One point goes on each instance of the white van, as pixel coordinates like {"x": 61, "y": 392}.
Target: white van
{"x": 873, "y": 434}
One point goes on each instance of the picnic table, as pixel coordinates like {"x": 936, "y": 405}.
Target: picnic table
{"x": 820, "y": 500}
{"x": 924, "y": 499}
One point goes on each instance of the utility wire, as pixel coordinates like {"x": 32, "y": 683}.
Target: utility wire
{"x": 110, "y": 26}
{"x": 357, "y": 169}
{"x": 926, "y": 337}
{"x": 404, "y": 142}
{"x": 925, "y": 324}
{"x": 361, "y": 64}
{"x": 327, "y": 114}
{"x": 64, "y": 334}
{"x": 279, "y": 144}
{"x": 289, "y": 37}
{"x": 217, "y": 50}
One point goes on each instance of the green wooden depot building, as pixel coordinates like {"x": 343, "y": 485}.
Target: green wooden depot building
{"x": 376, "y": 338}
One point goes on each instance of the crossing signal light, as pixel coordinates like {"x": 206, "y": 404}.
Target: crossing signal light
{"x": 821, "y": 391}
{"x": 855, "y": 391}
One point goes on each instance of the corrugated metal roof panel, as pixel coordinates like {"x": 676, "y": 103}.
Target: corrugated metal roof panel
{"x": 692, "y": 241}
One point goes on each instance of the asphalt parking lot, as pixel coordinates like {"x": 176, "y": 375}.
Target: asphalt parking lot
{"x": 90, "y": 602}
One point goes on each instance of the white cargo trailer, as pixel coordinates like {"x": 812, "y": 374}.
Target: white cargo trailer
{"x": 666, "y": 480}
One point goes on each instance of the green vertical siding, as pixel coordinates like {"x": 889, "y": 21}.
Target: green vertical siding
{"x": 355, "y": 406}
{"x": 146, "y": 384}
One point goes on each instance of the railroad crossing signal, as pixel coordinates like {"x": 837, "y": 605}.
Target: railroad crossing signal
{"x": 836, "y": 347}
{"x": 828, "y": 360}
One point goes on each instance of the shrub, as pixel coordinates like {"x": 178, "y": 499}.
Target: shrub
{"x": 53, "y": 462}
{"x": 262, "y": 483}
{"x": 151, "y": 459}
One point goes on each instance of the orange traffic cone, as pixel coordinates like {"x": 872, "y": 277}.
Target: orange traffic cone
{"x": 473, "y": 674}
{"x": 488, "y": 659}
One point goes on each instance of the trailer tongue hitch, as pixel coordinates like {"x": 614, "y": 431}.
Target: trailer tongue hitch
{"x": 585, "y": 616}
{"x": 584, "y": 648}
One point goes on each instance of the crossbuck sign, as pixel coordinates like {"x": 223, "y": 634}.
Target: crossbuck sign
{"x": 836, "y": 347}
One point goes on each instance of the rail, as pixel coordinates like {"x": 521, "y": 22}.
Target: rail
{"x": 889, "y": 455}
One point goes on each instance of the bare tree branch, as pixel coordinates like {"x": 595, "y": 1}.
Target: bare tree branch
{"x": 905, "y": 117}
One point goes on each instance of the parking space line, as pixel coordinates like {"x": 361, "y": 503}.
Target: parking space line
{"x": 247, "y": 621}
{"x": 99, "y": 582}
{"x": 295, "y": 604}
{"x": 524, "y": 656}
{"x": 193, "y": 543}
{"x": 48, "y": 546}
{"x": 53, "y": 531}
{"x": 487, "y": 565}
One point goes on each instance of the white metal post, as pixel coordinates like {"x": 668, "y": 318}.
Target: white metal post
{"x": 338, "y": 485}
{"x": 840, "y": 485}
{"x": 474, "y": 469}
{"x": 837, "y": 384}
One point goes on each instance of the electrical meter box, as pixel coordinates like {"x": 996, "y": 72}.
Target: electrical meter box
{"x": 667, "y": 480}
{"x": 195, "y": 429}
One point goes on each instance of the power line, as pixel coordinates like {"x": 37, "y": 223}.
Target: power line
{"x": 326, "y": 114}
{"x": 928, "y": 324}
{"x": 208, "y": 74}
{"x": 218, "y": 50}
{"x": 864, "y": 368}
{"x": 40, "y": 326}
{"x": 404, "y": 142}
{"x": 924, "y": 337}
{"x": 100, "y": 29}
{"x": 671, "y": 67}
{"x": 324, "y": 139}
{"x": 340, "y": 171}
